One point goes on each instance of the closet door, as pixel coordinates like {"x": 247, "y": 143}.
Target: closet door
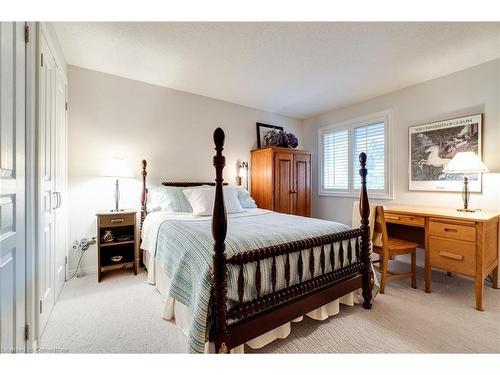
{"x": 47, "y": 200}
{"x": 12, "y": 186}
{"x": 283, "y": 182}
{"x": 302, "y": 182}
{"x": 60, "y": 206}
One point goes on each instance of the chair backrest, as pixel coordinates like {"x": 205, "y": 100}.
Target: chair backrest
{"x": 380, "y": 236}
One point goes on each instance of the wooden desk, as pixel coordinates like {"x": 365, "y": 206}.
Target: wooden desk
{"x": 459, "y": 242}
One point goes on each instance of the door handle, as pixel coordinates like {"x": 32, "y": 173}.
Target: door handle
{"x": 56, "y": 199}
{"x": 57, "y": 195}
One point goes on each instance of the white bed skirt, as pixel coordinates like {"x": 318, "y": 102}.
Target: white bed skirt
{"x": 178, "y": 312}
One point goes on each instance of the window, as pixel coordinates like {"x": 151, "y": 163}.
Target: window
{"x": 336, "y": 160}
{"x": 340, "y": 146}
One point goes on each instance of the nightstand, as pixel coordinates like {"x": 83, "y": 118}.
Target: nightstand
{"x": 117, "y": 241}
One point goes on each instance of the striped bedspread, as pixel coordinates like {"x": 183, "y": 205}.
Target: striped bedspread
{"x": 184, "y": 248}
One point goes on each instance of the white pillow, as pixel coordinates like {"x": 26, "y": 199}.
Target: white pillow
{"x": 202, "y": 200}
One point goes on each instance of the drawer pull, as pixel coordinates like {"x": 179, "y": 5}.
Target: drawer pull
{"x": 392, "y": 217}
{"x": 117, "y": 221}
{"x": 450, "y": 230}
{"x": 451, "y": 255}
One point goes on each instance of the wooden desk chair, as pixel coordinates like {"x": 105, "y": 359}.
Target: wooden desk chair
{"x": 388, "y": 247}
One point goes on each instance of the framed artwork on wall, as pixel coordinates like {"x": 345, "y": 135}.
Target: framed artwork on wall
{"x": 433, "y": 145}
{"x": 262, "y": 129}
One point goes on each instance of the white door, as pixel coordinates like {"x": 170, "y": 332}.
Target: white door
{"x": 12, "y": 186}
{"x": 60, "y": 183}
{"x": 47, "y": 200}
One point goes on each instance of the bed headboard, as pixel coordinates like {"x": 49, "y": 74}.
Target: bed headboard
{"x": 144, "y": 191}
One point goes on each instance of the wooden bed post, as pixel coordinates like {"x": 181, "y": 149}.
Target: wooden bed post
{"x": 364, "y": 211}
{"x": 144, "y": 192}
{"x": 219, "y": 229}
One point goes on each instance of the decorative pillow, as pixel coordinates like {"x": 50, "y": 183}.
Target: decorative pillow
{"x": 168, "y": 198}
{"x": 152, "y": 202}
{"x": 202, "y": 200}
{"x": 245, "y": 199}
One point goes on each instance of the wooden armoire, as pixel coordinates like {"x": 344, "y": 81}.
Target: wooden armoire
{"x": 281, "y": 180}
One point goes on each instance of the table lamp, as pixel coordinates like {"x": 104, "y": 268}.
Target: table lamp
{"x": 117, "y": 168}
{"x": 466, "y": 163}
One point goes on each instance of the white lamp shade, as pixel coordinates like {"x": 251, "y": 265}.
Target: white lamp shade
{"x": 116, "y": 168}
{"x": 465, "y": 162}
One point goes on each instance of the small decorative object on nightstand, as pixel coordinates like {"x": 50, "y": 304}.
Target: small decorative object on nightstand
{"x": 466, "y": 163}
{"x": 117, "y": 241}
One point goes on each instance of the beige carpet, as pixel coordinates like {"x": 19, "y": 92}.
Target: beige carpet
{"x": 122, "y": 314}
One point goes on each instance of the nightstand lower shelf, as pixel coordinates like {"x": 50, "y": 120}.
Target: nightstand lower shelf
{"x": 113, "y": 267}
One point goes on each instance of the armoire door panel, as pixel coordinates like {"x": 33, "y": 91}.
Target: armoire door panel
{"x": 283, "y": 183}
{"x": 302, "y": 188}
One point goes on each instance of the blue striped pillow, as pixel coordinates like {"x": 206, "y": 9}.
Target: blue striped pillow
{"x": 168, "y": 198}
{"x": 245, "y": 199}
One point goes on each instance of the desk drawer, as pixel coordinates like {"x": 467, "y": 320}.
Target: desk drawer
{"x": 417, "y": 221}
{"x": 452, "y": 229}
{"x": 116, "y": 220}
{"x": 452, "y": 255}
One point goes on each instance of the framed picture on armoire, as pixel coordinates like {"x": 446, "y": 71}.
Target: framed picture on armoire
{"x": 262, "y": 129}
{"x": 433, "y": 145}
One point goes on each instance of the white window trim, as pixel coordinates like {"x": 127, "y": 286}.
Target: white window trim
{"x": 353, "y": 192}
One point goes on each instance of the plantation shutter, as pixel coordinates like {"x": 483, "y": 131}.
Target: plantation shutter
{"x": 336, "y": 160}
{"x": 371, "y": 140}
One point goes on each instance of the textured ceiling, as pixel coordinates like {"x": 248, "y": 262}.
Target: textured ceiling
{"x": 296, "y": 69}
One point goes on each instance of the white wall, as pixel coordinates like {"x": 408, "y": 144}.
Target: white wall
{"x": 111, "y": 116}
{"x": 475, "y": 90}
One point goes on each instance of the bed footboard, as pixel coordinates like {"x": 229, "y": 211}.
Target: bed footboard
{"x": 252, "y": 318}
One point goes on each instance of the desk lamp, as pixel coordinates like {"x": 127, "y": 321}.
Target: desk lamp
{"x": 466, "y": 163}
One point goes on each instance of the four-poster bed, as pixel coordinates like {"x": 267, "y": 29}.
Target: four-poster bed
{"x": 327, "y": 267}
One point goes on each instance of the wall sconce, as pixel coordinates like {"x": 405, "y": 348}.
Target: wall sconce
{"x": 243, "y": 174}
